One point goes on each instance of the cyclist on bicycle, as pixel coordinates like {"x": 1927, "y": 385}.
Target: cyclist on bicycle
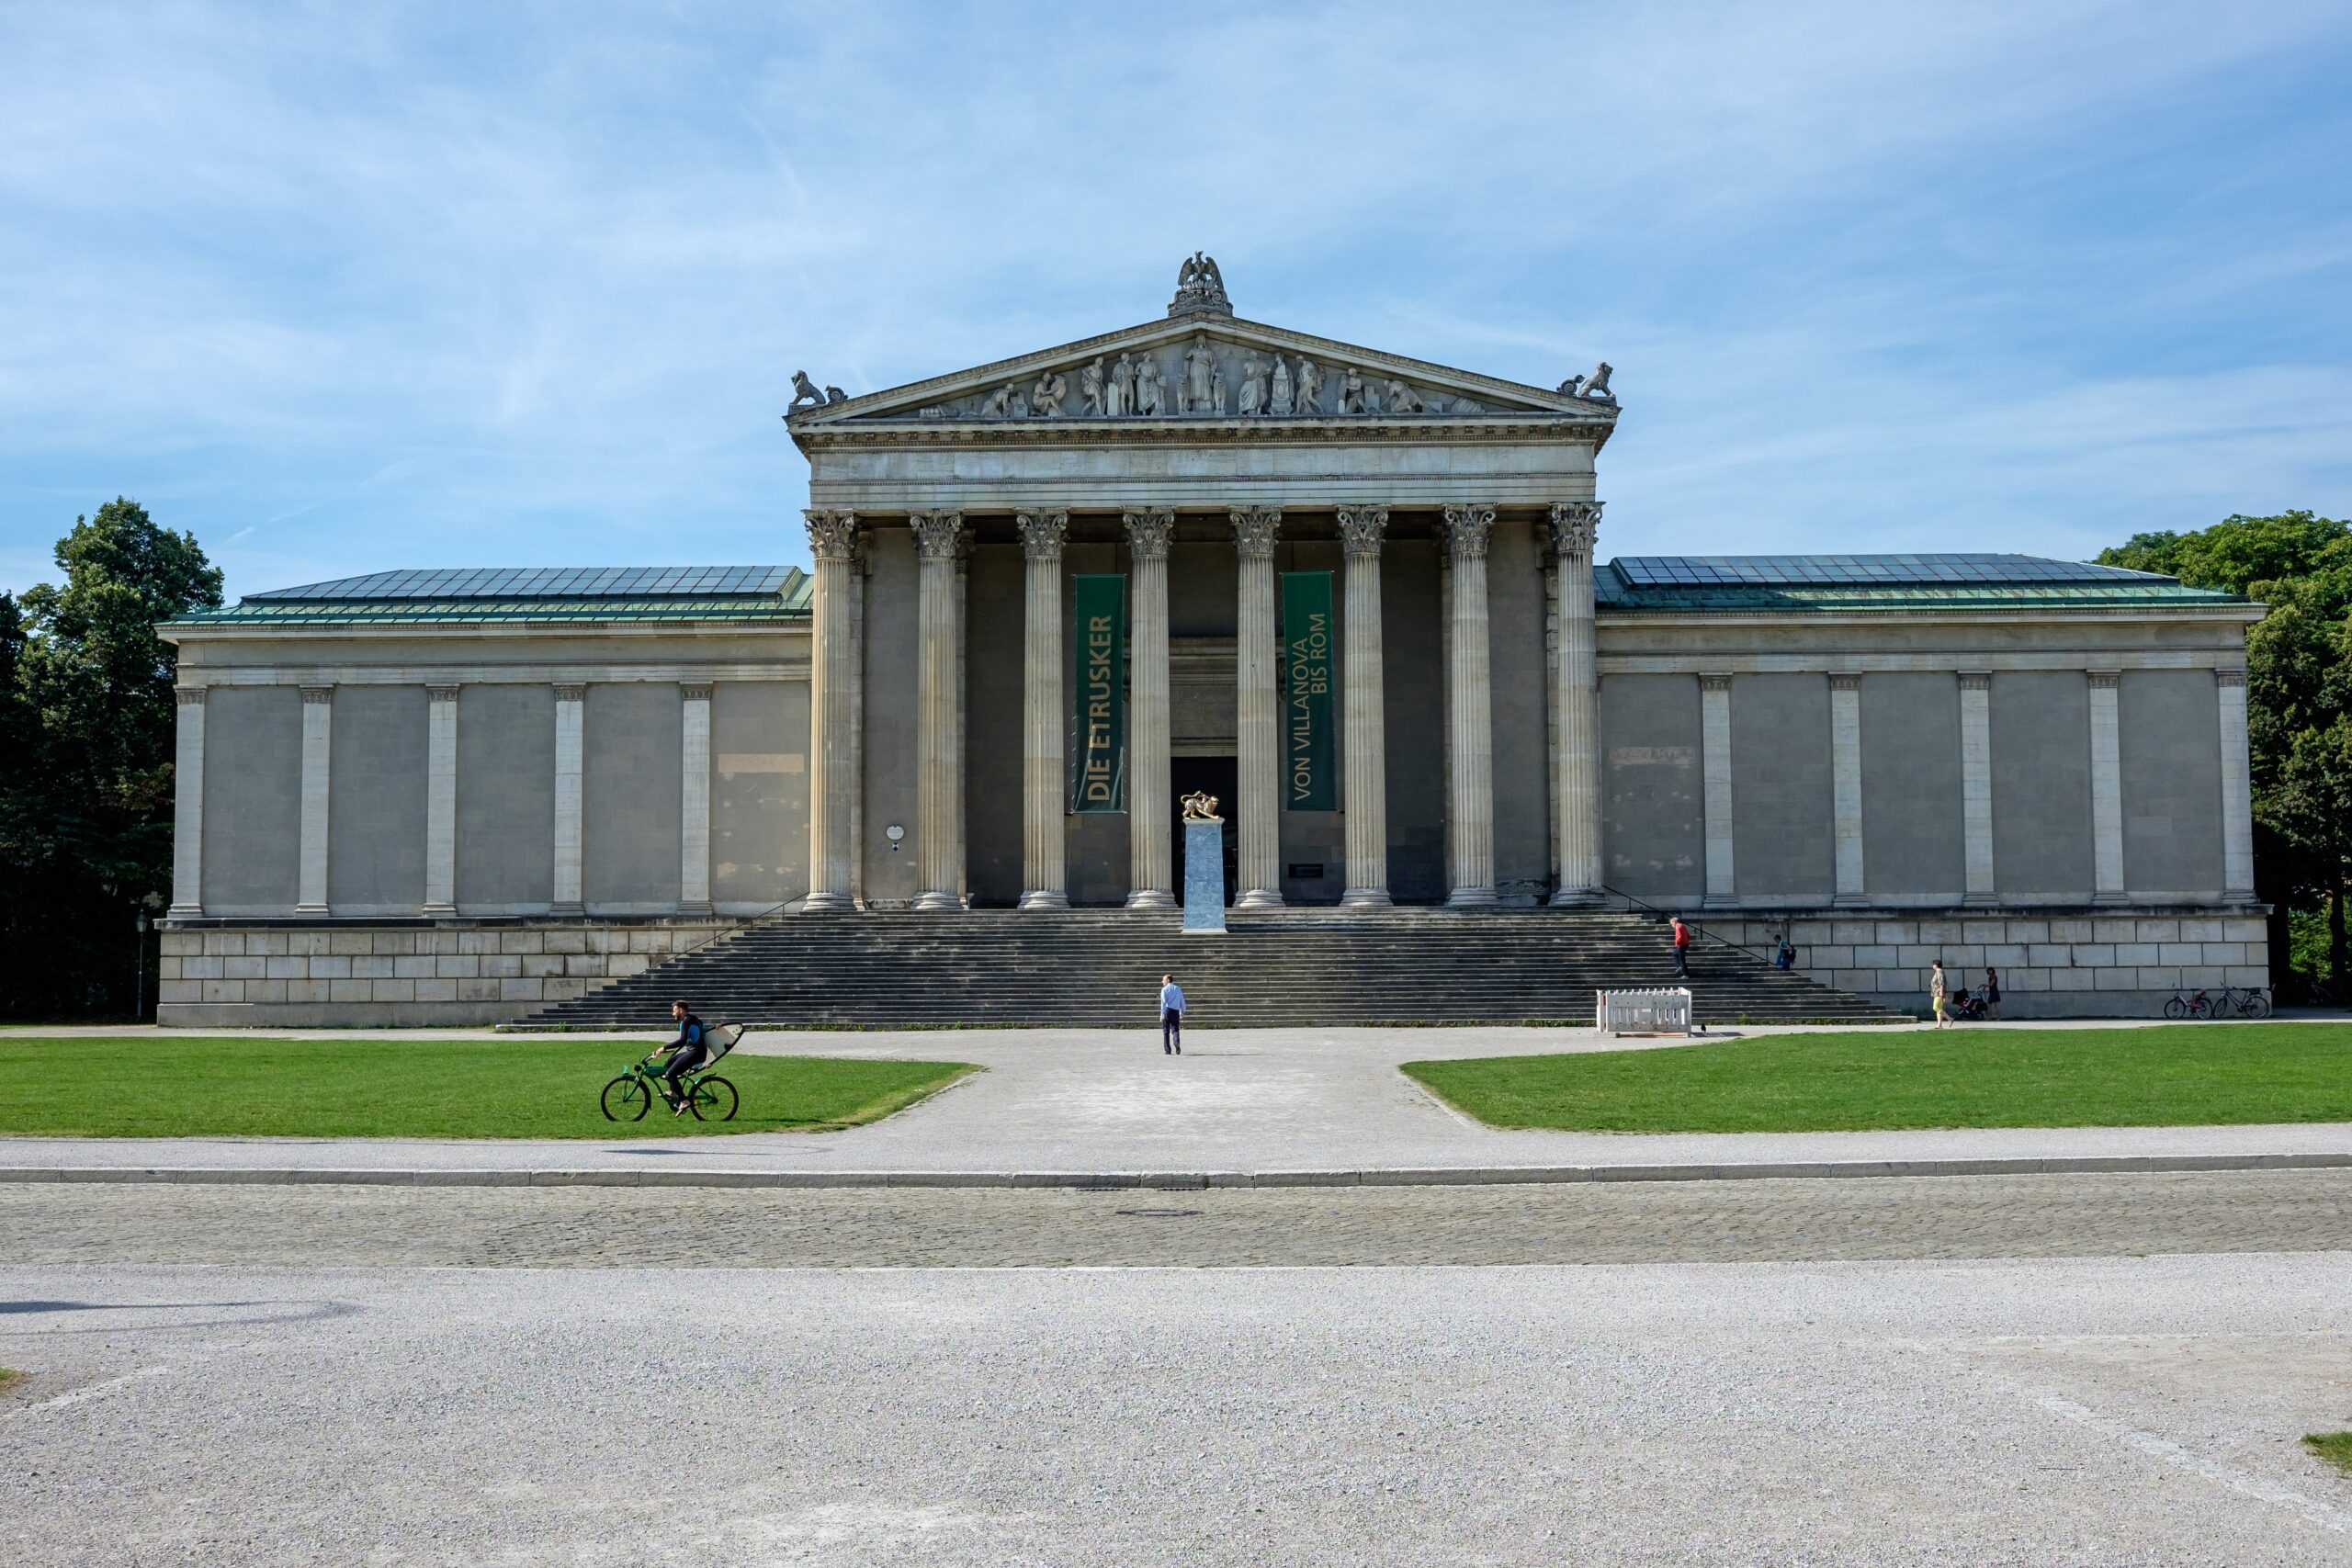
{"x": 687, "y": 1052}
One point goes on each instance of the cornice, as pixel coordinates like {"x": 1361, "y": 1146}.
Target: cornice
{"x": 1181, "y": 431}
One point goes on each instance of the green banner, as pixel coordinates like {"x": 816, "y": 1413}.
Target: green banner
{"x": 1310, "y": 665}
{"x": 1098, "y": 690}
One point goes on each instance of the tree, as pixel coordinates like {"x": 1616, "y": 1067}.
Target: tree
{"x": 86, "y": 808}
{"x": 2299, "y": 700}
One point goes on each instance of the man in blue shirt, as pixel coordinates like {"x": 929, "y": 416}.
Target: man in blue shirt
{"x": 1171, "y": 1017}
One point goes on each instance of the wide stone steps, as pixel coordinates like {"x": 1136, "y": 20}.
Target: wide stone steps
{"x": 1283, "y": 968}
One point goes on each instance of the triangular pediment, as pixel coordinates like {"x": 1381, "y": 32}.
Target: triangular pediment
{"x": 1201, "y": 367}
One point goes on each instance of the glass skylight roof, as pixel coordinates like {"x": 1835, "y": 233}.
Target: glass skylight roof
{"x": 544, "y": 582}
{"x": 1861, "y": 571}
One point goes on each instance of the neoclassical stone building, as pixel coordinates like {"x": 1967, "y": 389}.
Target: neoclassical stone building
{"x": 1353, "y": 595}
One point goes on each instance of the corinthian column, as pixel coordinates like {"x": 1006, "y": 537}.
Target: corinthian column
{"x": 1257, "y": 729}
{"x": 1470, "y": 775}
{"x": 1044, "y": 868}
{"x": 1366, "y": 779}
{"x": 1149, "y": 824}
{"x": 939, "y": 761}
{"x": 832, "y": 708}
{"x": 1576, "y": 698}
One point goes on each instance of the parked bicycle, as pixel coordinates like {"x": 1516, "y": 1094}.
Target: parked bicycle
{"x": 709, "y": 1097}
{"x": 2246, "y": 1002}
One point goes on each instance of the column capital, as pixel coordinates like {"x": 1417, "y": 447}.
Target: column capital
{"x": 2230, "y": 677}
{"x": 1844, "y": 682}
{"x": 571, "y": 694}
{"x": 2105, "y": 680}
{"x": 1148, "y": 532}
{"x": 1043, "y": 534}
{"x": 1714, "y": 683}
{"x": 1361, "y": 529}
{"x": 694, "y": 691}
{"x": 318, "y": 694}
{"x": 441, "y": 694}
{"x": 832, "y": 531}
{"x": 1467, "y": 529}
{"x": 939, "y": 536}
{"x": 188, "y": 696}
{"x": 1975, "y": 681}
{"x": 1255, "y": 530}
{"x": 1575, "y": 525}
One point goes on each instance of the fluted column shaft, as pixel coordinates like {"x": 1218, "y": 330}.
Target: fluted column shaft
{"x": 1365, "y": 709}
{"x": 1149, "y": 823}
{"x": 2107, "y": 788}
{"x": 318, "y": 736}
{"x": 1576, "y": 525}
{"x": 1715, "y": 771}
{"x": 1976, "y": 785}
{"x": 570, "y": 765}
{"x": 188, "y": 805}
{"x": 441, "y": 800}
{"x": 1470, "y": 777}
{"x": 1257, "y": 712}
{"x": 694, "y": 798}
{"x": 832, "y": 707}
{"x": 939, "y": 763}
{"x": 1044, "y": 875}
{"x": 2237, "y": 791}
{"x": 1845, "y": 788}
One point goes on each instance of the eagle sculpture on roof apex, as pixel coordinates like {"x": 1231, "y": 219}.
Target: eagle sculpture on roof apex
{"x": 1200, "y": 288}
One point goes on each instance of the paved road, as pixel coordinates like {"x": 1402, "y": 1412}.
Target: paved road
{"x": 2104, "y": 1412}
{"x": 1937, "y": 1217}
{"x": 1082, "y": 1100}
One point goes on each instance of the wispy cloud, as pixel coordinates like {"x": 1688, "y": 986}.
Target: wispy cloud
{"x": 343, "y": 288}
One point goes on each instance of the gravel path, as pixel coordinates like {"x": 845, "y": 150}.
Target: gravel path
{"x": 2125, "y": 1411}
{"x": 1895, "y": 1217}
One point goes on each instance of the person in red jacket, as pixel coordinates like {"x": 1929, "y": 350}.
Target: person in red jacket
{"x": 1682, "y": 949}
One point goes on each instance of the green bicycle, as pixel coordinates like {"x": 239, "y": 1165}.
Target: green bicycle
{"x": 709, "y": 1097}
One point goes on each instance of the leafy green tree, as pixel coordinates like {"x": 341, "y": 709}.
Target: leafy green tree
{"x": 2299, "y": 700}
{"x": 85, "y": 807}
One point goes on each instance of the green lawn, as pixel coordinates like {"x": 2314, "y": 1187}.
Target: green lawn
{"x": 2334, "y": 1446}
{"x": 2192, "y": 1074}
{"x": 531, "y": 1087}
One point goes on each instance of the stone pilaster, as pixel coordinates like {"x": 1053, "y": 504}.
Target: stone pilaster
{"x": 1715, "y": 764}
{"x": 834, "y": 702}
{"x": 693, "y": 799}
{"x": 1845, "y": 785}
{"x": 188, "y": 805}
{"x": 1470, "y": 771}
{"x": 2237, "y": 791}
{"x": 1151, "y": 820}
{"x": 1575, "y": 701}
{"x": 1045, "y": 868}
{"x": 2107, "y": 789}
{"x": 318, "y": 740}
{"x": 939, "y": 763}
{"x": 570, "y": 758}
{"x": 441, "y": 800}
{"x": 1364, "y": 706}
{"x": 1258, "y": 730}
{"x": 1976, "y": 787}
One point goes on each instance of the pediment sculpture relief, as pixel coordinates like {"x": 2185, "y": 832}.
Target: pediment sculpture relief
{"x": 1200, "y": 377}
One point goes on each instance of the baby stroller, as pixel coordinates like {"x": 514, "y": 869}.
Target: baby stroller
{"x": 1960, "y": 1005}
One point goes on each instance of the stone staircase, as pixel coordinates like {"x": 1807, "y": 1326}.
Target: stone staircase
{"x": 1274, "y": 968}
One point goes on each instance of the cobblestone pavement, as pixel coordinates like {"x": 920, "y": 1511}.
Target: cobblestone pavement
{"x": 1933, "y": 1217}
{"x": 2101, "y": 1412}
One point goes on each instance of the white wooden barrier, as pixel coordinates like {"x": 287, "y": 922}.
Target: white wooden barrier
{"x": 1645, "y": 1012}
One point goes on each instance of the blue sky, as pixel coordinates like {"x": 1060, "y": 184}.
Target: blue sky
{"x": 343, "y": 287}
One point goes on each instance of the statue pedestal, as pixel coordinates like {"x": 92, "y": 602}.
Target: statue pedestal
{"x": 1204, "y": 878}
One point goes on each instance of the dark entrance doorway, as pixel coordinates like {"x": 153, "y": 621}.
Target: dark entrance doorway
{"x": 1220, "y": 776}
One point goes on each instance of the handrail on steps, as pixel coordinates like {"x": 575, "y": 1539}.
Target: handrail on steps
{"x": 1696, "y": 927}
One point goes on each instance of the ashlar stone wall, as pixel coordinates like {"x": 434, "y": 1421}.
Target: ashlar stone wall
{"x": 361, "y": 977}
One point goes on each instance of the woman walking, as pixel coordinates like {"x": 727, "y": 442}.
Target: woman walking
{"x": 1937, "y": 993}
